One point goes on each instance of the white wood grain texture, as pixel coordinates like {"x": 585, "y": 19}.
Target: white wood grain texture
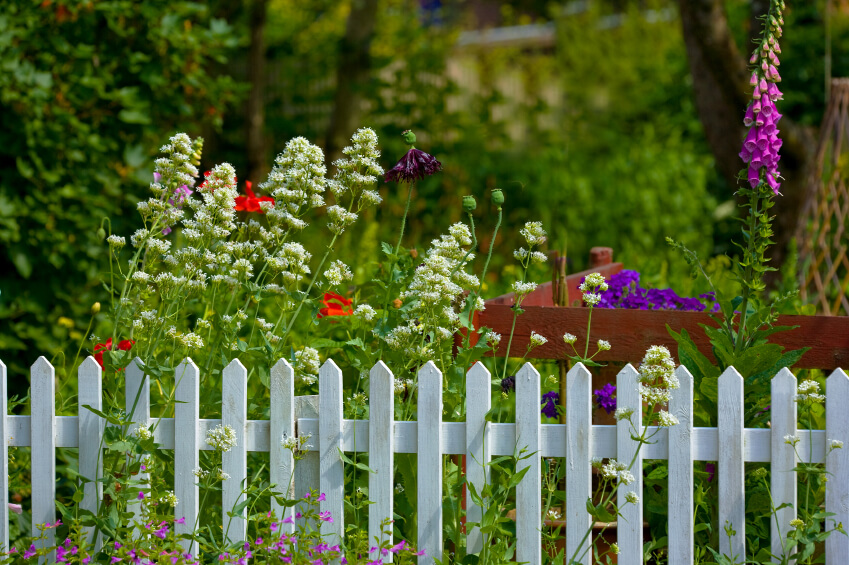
{"x": 381, "y": 453}
{"x": 782, "y": 477}
{"x": 186, "y": 446}
{"x": 429, "y": 477}
{"x": 282, "y": 425}
{"x": 137, "y": 405}
{"x": 234, "y": 413}
{"x": 730, "y": 464}
{"x": 308, "y": 469}
{"x": 332, "y": 479}
{"x": 91, "y": 428}
{"x": 43, "y": 454}
{"x": 4, "y": 458}
{"x": 478, "y": 403}
{"x": 579, "y": 383}
{"x": 528, "y": 492}
{"x": 629, "y": 528}
{"x": 680, "y": 482}
{"x": 837, "y": 465}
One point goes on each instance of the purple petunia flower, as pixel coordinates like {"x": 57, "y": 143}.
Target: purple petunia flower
{"x": 605, "y": 397}
{"x": 550, "y": 401}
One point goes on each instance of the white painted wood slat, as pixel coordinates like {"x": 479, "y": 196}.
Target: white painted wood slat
{"x": 629, "y": 527}
{"x": 681, "y": 535}
{"x": 837, "y": 465}
{"x": 429, "y": 477}
{"x": 186, "y": 447}
{"x": 478, "y": 404}
{"x": 4, "y": 459}
{"x": 137, "y": 406}
{"x": 332, "y": 479}
{"x": 528, "y": 492}
{"x": 782, "y": 476}
{"x": 234, "y": 413}
{"x": 579, "y": 384}
{"x": 43, "y": 454}
{"x": 282, "y": 425}
{"x": 381, "y": 453}
{"x": 730, "y": 466}
{"x": 91, "y": 426}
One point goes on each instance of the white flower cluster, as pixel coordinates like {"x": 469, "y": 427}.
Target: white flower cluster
{"x": 665, "y": 419}
{"x": 493, "y": 339}
{"x": 214, "y": 212}
{"x": 533, "y": 233}
{"x": 290, "y": 263}
{"x": 632, "y": 497}
{"x": 338, "y": 273}
{"x": 657, "y": 375}
{"x": 570, "y": 338}
{"x": 307, "y": 365}
{"x": 404, "y": 385}
{"x": 356, "y": 174}
{"x": 623, "y": 413}
{"x": 592, "y": 287}
{"x": 297, "y": 183}
{"x": 522, "y": 255}
{"x": 615, "y": 470}
{"x": 174, "y": 175}
{"x": 809, "y": 391}
{"x": 522, "y": 289}
{"x": 298, "y": 445}
{"x": 834, "y": 444}
{"x": 116, "y": 242}
{"x": 791, "y": 440}
{"x": 537, "y": 340}
{"x": 603, "y": 345}
{"x": 221, "y": 438}
{"x": 365, "y": 313}
{"x": 143, "y": 432}
{"x": 169, "y": 498}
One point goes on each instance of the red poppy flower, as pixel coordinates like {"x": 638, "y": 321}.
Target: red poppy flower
{"x": 335, "y": 305}
{"x": 100, "y": 348}
{"x": 250, "y": 203}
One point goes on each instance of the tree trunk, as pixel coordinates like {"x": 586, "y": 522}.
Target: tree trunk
{"x": 256, "y": 142}
{"x": 722, "y": 92}
{"x": 353, "y": 73}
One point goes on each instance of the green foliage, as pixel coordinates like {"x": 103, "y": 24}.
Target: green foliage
{"x": 86, "y": 91}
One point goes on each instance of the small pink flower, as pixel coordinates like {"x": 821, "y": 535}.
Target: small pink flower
{"x": 141, "y": 495}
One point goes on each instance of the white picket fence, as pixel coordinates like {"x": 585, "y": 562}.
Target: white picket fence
{"x": 730, "y": 445}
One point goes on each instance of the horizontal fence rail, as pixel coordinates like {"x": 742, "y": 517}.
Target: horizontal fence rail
{"x": 729, "y": 444}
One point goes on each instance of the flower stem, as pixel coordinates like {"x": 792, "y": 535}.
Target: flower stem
{"x": 404, "y": 217}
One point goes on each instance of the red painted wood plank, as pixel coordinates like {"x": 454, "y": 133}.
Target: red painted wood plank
{"x": 631, "y": 332}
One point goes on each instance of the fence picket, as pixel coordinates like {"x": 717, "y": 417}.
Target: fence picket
{"x": 332, "y": 479}
{"x": 529, "y": 491}
{"x": 43, "y": 451}
{"x": 681, "y": 535}
{"x": 137, "y": 405}
{"x": 234, "y": 413}
{"x": 837, "y": 465}
{"x": 308, "y": 469}
{"x": 629, "y": 527}
{"x": 91, "y": 427}
{"x": 783, "y": 457}
{"x": 429, "y": 476}
{"x": 478, "y": 404}
{"x": 186, "y": 446}
{"x": 579, "y": 384}
{"x": 730, "y": 467}
{"x": 282, "y": 425}
{"x": 4, "y": 459}
{"x": 381, "y": 431}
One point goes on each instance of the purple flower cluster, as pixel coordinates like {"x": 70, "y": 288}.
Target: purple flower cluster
{"x": 605, "y": 397}
{"x": 550, "y": 400}
{"x": 760, "y": 148}
{"x": 414, "y": 165}
{"x": 624, "y": 291}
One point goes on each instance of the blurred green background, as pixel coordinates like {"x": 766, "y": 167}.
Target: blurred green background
{"x": 583, "y": 111}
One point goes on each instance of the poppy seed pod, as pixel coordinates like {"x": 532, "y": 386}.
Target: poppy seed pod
{"x": 469, "y": 204}
{"x": 497, "y": 197}
{"x": 409, "y": 137}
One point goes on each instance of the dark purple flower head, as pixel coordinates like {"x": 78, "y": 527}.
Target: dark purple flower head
{"x": 605, "y": 397}
{"x": 413, "y": 166}
{"x": 550, "y": 400}
{"x": 508, "y": 384}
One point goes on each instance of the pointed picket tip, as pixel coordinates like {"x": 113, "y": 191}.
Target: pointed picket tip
{"x": 683, "y": 372}
{"x": 527, "y": 372}
{"x": 380, "y": 368}
{"x": 835, "y": 376}
{"x": 187, "y": 362}
{"x": 578, "y": 370}
{"x": 2, "y": 366}
{"x": 234, "y": 365}
{"x": 784, "y": 376}
{"x": 90, "y": 364}
{"x": 136, "y": 364}
{"x": 282, "y": 365}
{"x": 430, "y": 372}
{"x": 41, "y": 365}
{"x": 478, "y": 371}
{"x": 329, "y": 365}
{"x": 628, "y": 371}
{"x": 730, "y": 374}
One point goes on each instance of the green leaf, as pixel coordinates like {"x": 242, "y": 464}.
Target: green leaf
{"x": 690, "y": 356}
{"x": 134, "y": 117}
